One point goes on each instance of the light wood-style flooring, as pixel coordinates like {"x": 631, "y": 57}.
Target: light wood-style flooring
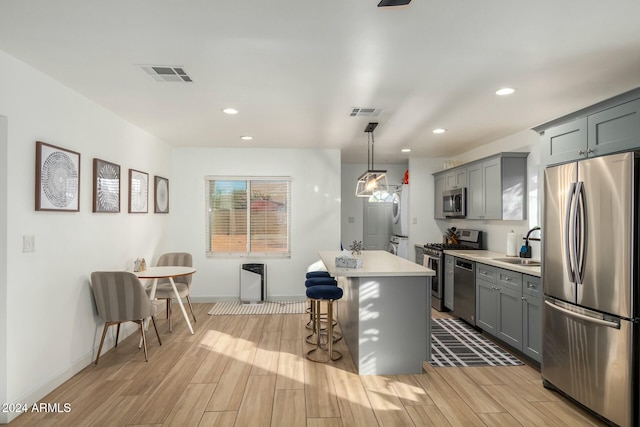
{"x": 251, "y": 371}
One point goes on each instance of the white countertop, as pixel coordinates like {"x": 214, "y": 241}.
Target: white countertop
{"x": 375, "y": 263}
{"x": 486, "y": 257}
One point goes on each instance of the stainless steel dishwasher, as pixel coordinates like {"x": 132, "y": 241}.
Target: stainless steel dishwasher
{"x": 464, "y": 290}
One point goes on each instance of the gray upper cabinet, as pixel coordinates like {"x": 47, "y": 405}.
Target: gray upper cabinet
{"x": 439, "y": 188}
{"x": 608, "y": 127}
{"x": 456, "y": 178}
{"x": 615, "y": 129}
{"x": 564, "y": 143}
{"x": 497, "y": 187}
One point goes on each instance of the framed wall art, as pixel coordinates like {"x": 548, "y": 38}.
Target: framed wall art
{"x": 161, "y": 194}
{"x": 106, "y": 186}
{"x": 138, "y": 191}
{"x": 57, "y": 178}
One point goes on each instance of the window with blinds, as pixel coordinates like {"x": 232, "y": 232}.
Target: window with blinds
{"x": 248, "y": 216}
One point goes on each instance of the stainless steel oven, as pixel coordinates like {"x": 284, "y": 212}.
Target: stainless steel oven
{"x": 434, "y": 259}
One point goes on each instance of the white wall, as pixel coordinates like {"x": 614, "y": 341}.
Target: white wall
{"x": 423, "y": 228}
{"x": 352, "y": 209}
{"x": 496, "y": 231}
{"x": 315, "y": 214}
{"x": 52, "y": 328}
{"x": 3, "y": 260}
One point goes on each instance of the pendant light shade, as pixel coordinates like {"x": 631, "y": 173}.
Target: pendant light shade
{"x": 372, "y": 181}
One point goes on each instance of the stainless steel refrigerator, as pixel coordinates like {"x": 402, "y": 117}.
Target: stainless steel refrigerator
{"x": 590, "y": 249}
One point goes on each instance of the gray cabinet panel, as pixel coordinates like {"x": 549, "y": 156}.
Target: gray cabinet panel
{"x": 532, "y": 327}
{"x": 486, "y": 306}
{"x": 448, "y": 281}
{"x": 509, "y": 318}
{"x": 564, "y": 143}
{"x": 456, "y": 178}
{"x": 532, "y": 286}
{"x": 508, "y": 307}
{"x": 614, "y": 129}
{"x": 510, "y": 279}
{"x": 439, "y": 187}
{"x": 492, "y": 189}
{"x": 475, "y": 194}
{"x": 419, "y": 255}
{"x": 486, "y": 272}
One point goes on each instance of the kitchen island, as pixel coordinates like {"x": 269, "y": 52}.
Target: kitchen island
{"x": 385, "y": 312}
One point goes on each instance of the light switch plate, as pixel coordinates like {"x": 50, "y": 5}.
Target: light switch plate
{"x": 29, "y": 243}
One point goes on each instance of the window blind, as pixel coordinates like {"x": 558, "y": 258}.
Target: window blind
{"x": 248, "y": 216}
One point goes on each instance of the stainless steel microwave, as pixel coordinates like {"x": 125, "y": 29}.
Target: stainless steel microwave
{"x": 454, "y": 203}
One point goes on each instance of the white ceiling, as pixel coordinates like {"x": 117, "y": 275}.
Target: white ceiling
{"x": 295, "y": 68}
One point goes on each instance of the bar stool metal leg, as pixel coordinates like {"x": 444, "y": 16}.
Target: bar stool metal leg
{"x": 331, "y": 353}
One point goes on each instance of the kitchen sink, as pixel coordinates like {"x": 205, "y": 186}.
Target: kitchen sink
{"x": 520, "y": 261}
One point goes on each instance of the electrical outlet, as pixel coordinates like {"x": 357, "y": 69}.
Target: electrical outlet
{"x": 351, "y": 219}
{"x": 29, "y": 243}
{"x": 415, "y": 220}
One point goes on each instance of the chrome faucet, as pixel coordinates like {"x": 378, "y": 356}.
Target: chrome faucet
{"x": 525, "y": 250}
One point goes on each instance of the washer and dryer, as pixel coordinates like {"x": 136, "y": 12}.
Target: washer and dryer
{"x": 400, "y": 212}
{"x": 399, "y": 246}
{"x": 399, "y": 242}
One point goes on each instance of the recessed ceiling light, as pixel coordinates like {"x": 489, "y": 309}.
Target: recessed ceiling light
{"x": 230, "y": 111}
{"x": 246, "y": 138}
{"x": 505, "y": 91}
{"x": 439, "y": 130}
{"x": 406, "y": 150}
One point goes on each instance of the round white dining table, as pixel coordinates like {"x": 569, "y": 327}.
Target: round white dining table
{"x": 167, "y": 272}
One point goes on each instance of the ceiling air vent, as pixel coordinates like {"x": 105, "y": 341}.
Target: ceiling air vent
{"x": 364, "y": 112}
{"x": 166, "y": 73}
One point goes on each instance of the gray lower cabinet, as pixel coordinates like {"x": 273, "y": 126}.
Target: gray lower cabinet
{"x": 597, "y": 133}
{"x": 532, "y": 317}
{"x": 449, "y": 262}
{"x": 419, "y": 254}
{"x": 508, "y": 307}
{"x": 486, "y": 306}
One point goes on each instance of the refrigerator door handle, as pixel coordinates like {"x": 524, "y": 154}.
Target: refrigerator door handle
{"x": 582, "y": 316}
{"x": 581, "y": 233}
{"x": 568, "y": 235}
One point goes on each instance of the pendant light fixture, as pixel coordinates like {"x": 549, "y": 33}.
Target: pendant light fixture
{"x": 372, "y": 180}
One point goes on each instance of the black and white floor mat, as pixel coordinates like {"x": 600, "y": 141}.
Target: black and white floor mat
{"x": 454, "y": 343}
{"x": 268, "y": 307}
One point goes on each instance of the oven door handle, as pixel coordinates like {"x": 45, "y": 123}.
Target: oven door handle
{"x": 428, "y": 260}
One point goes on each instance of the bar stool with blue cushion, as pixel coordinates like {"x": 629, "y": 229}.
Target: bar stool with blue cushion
{"x": 329, "y": 294}
{"x": 316, "y": 274}
{"x": 315, "y": 281}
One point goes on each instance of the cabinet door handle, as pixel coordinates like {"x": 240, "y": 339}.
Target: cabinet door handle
{"x": 581, "y": 153}
{"x": 530, "y": 285}
{"x": 508, "y": 279}
{"x": 590, "y": 151}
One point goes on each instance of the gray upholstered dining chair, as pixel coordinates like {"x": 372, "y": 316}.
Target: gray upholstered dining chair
{"x": 121, "y": 297}
{"x": 183, "y": 283}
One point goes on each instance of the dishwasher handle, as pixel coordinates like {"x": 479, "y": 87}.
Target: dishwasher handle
{"x": 464, "y": 265}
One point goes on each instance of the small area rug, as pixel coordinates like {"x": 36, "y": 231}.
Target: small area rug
{"x": 454, "y": 343}
{"x": 268, "y": 307}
